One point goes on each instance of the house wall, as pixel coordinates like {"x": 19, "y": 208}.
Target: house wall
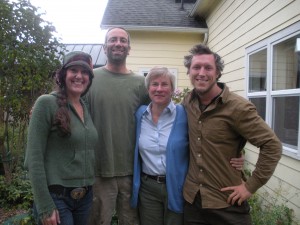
{"x": 149, "y": 49}
{"x": 234, "y": 26}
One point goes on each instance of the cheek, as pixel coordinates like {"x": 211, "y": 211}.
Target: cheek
{"x": 169, "y": 92}
{"x": 151, "y": 89}
{"x": 88, "y": 80}
{"x": 151, "y": 92}
{"x": 191, "y": 77}
{"x": 214, "y": 77}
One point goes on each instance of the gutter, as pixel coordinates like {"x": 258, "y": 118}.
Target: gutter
{"x": 163, "y": 29}
{"x": 158, "y": 28}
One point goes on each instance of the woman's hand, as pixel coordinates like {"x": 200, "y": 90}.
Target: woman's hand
{"x": 53, "y": 219}
{"x": 237, "y": 163}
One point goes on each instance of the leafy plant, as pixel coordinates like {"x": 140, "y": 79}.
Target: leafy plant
{"x": 178, "y": 95}
{"x": 270, "y": 208}
{"x": 29, "y": 53}
{"x": 17, "y": 194}
{"x": 264, "y": 212}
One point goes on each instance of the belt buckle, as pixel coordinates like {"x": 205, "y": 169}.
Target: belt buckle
{"x": 78, "y": 193}
{"x": 159, "y": 178}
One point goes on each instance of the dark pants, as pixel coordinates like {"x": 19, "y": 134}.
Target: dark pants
{"x": 194, "y": 214}
{"x": 153, "y": 204}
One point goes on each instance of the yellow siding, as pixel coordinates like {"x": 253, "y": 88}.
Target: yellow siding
{"x": 233, "y": 26}
{"x": 284, "y": 184}
{"x": 150, "y": 49}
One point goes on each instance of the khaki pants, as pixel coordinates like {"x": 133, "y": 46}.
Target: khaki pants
{"x": 112, "y": 194}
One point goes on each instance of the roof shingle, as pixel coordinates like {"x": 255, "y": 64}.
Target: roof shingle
{"x": 150, "y": 13}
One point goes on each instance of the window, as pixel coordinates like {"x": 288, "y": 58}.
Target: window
{"x": 258, "y": 71}
{"x": 273, "y": 84}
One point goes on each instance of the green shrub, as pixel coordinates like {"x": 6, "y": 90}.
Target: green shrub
{"x": 264, "y": 212}
{"x": 270, "y": 209}
{"x": 18, "y": 194}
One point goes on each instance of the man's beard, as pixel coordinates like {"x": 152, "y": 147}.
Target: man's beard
{"x": 117, "y": 59}
{"x": 204, "y": 92}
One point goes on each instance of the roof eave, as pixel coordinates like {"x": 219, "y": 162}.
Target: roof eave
{"x": 195, "y": 7}
{"x": 203, "y": 7}
{"x": 159, "y": 28}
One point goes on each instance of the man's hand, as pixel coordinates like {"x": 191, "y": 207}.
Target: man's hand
{"x": 53, "y": 219}
{"x": 239, "y": 194}
{"x": 237, "y": 163}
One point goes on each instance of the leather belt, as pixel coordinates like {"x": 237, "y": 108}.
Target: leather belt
{"x": 161, "y": 179}
{"x": 74, "y": 193}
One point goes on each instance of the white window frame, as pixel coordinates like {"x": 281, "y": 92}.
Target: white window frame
{"x": 268, "y": 44}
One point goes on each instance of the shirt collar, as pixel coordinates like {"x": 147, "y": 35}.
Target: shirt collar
{"x": 221, "y": 98}
{"x": 170, "y": 108}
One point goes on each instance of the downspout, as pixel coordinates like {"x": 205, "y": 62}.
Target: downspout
{"x": 205, "y": 38}
{"x": 181, "y": 7}
{"x": 192, "y": 13}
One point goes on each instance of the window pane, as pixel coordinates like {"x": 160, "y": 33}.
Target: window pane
{"x": 258, "y": 71}
{"x": 260, "y": 104}
{"x": 286, "y": 65}
{"x": 286, "y": 120}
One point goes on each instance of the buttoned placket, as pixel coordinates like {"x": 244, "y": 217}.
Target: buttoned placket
{"x": 199, "y": 147}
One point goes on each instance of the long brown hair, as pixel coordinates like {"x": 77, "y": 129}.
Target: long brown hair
{"x": 62, "y": 117}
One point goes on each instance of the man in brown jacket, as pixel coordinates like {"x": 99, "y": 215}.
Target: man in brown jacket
{"x": 220, "y": 124}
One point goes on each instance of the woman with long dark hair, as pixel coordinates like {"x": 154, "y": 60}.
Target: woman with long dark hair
{"x": 60, "y": 146}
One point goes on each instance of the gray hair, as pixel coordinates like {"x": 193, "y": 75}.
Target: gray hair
{"x": 160, "y": 72}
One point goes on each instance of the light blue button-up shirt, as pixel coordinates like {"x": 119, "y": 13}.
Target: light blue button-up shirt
{"x": 154, "y": 138}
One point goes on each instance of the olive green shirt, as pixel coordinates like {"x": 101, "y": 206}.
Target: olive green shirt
{"x": 218, "y": 134}
{"x": 113, "y": 100}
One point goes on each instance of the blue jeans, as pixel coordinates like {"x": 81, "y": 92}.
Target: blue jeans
{"x": 71, "y": 211}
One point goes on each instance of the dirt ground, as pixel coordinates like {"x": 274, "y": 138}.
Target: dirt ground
{"x": 6, "y": 214}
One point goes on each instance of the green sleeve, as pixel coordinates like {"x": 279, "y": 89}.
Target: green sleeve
{"x": 38, "y": 131}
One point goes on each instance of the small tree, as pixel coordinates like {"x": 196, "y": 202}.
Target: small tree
{"x": 28, "y": 56}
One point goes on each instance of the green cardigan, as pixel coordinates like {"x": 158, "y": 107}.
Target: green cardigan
{"x": 52, "y": 159}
